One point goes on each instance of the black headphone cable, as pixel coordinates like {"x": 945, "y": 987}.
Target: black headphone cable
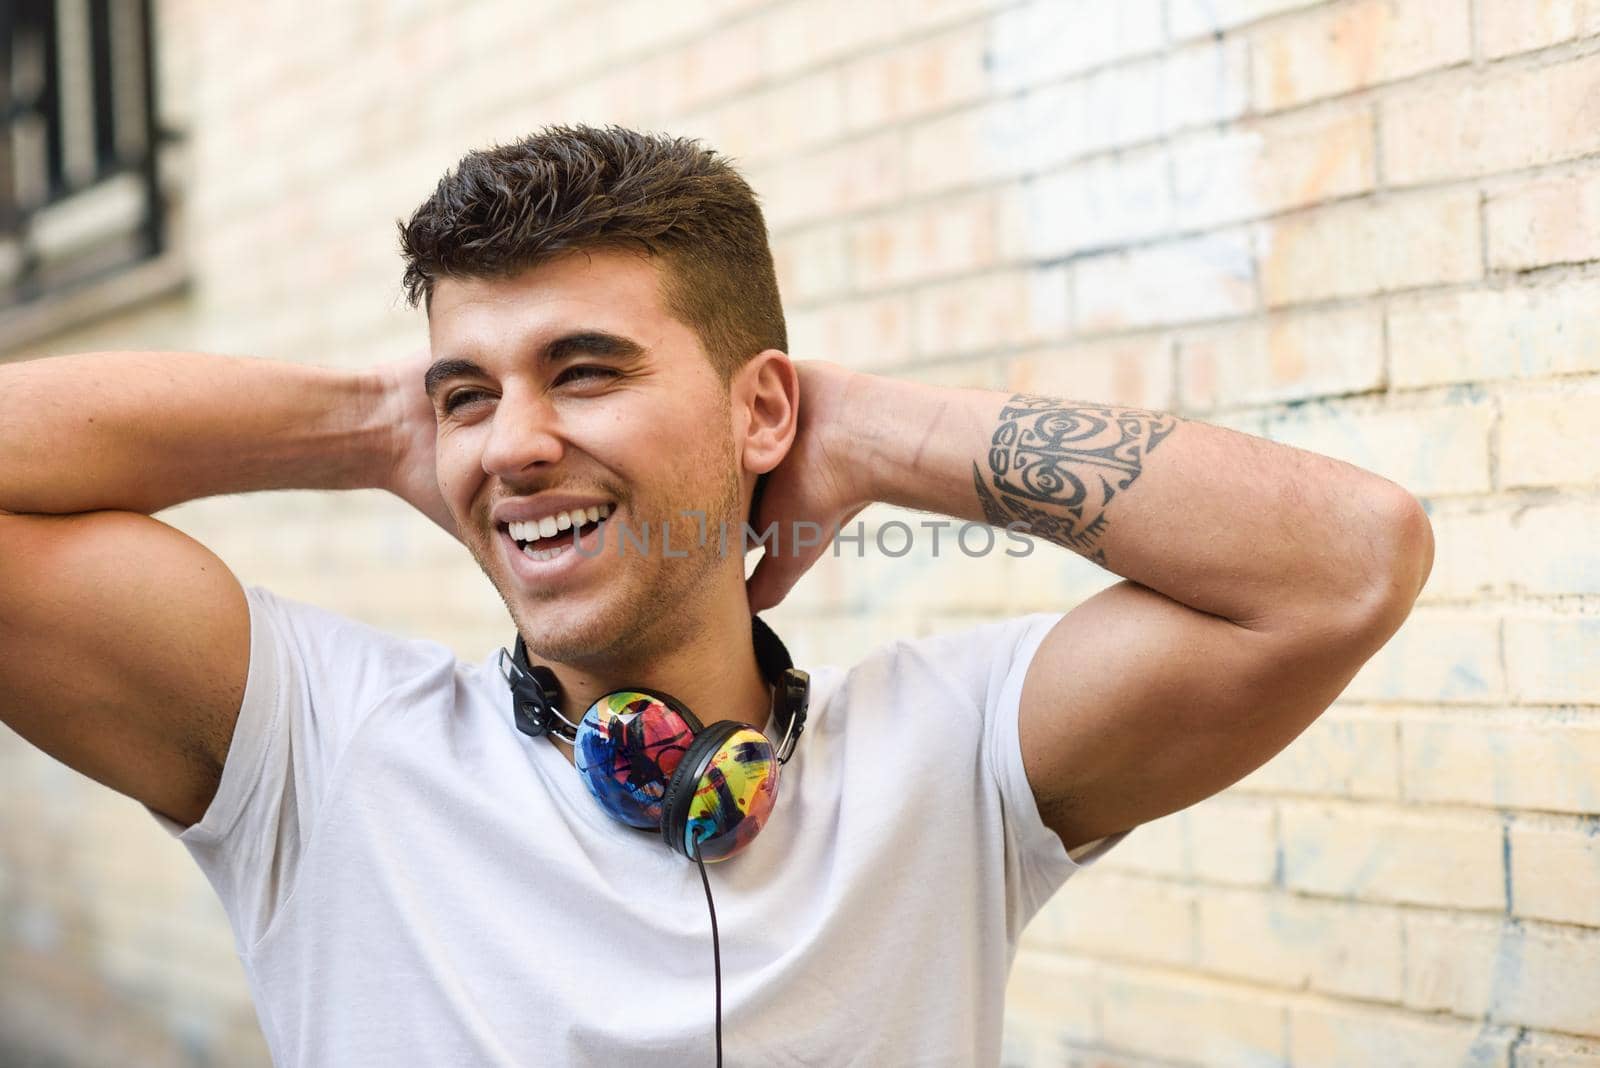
{"x": 716, "y": 948}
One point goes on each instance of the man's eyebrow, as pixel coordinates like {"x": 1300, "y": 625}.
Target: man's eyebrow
{"x": 583, "y": 342}
{"x": 442, "y": 371}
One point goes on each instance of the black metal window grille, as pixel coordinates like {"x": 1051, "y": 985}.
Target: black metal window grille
{"x": 79, "y": 189}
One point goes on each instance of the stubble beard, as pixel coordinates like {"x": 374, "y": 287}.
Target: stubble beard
{"x": 645, "y": 602}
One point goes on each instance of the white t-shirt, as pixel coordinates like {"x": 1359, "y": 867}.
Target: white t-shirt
{"x": 413, "y": 881}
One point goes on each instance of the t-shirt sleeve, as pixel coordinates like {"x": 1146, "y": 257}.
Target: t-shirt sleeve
{"x": 315, "y": 679}
{"x": 1037, "y": 863}
{"x": 989, "y": 663}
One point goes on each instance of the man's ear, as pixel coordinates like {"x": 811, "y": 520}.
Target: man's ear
{"x": 766, "y": 412}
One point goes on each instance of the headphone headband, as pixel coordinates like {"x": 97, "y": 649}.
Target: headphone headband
{"x": 536, "y": 695}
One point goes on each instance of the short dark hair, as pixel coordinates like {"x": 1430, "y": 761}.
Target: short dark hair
{"x": 505, "y": 209}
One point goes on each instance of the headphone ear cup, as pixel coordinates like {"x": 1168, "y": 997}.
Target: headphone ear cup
{"x": 721, "y": 793}
{"x": 627, "y": 747}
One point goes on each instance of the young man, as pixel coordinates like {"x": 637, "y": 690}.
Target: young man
{"x": 413, "y": 880}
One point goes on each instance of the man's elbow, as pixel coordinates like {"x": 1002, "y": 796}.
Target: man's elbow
{"x": 1401, "y": 559}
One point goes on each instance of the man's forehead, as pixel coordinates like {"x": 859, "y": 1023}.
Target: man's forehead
{"x": 599, "y": 276}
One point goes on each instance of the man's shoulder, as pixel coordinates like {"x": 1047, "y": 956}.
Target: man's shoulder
{"x": 325, "y": 643}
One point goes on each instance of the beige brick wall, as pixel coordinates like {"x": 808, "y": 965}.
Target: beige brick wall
{"x": 1366, "y": 227}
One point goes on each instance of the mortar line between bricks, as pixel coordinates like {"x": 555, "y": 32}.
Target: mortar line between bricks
{"x": 1514, "y": 1053}
{"x": 1505, "y": 863}
{"x": 1413, "y": 398}
{"x": 1298, "y": 997}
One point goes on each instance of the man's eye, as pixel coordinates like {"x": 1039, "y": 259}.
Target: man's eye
{"x": 585, "y": 370}
{"x": 460, "y": 397}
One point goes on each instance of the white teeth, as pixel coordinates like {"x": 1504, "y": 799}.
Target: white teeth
{"x": 531, "y": 530}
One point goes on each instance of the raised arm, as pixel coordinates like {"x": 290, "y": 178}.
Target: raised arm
{"x": 1259, "y": 577}
{"x": 124, "y": 644}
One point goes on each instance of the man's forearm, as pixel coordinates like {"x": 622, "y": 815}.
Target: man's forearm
{"x": 142, "y": 431}
{"x": 1229, "y": 524}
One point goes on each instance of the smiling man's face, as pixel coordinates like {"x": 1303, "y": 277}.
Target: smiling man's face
{"x": 567, "y": 388}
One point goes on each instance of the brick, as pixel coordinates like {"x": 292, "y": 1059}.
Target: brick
{"x": 854, "y": 176}
{"x": 1371, "y": 247}
{"x": 1511, "y": 972}
{"x": 1486, "y": 334}
{"x": 991, "y": 311}
{"x": 982, "y": 372}
{"x": 1553, "y": 1051}
{"x": 1526, "y": 118}
{"x": 931, "y": 74}
{"x": 1191, "y": 1020}
{"x": 867, "y": 334}
{"x": 1295, "y": 942}
{"x": 1334, "y": 1036}
{"x": 1553, "y": 660}
{"x": 1233, "y": 840}
{"x": 1341, "y": 48}
{"x": 1344, "y": 753}
{"x": 1052, "y": 996}
{"x": 921, "y": 583}
{"x": 1438, "y": 654}
{"x": 1255, "y": 169}
{"x": 1555, "y": 870}
{"x": 799, "y": 36}
{"x": 1226, "y": 839}
{"x": 1544, "y": 222}
{"x": 1134, "y": 371}
{"x": 1049, "y": 577}
{"x": 1529, "y": 760}
{"x": 1554, "y": 549}
{"x": 779, "y": 123}
{"x": 1083, "y": 34}
{"x": 1389, "y": 855}
{"x": 1471, "y": 556}
{"x": 1099, "y": 204}
{"x": 1429, "y": 451}
{"x": 950, "y": 151}
{"x": 1205, "y": 83}
{"x": 1040, "y": 130}
{"x": 724, "y": 60}
{"x": 1282, "y": 358}
{"x": 1160, "y": 848}
{"x": 812, "y": 264}
{"x": 1507, "y": 27}
{"x": 630, "y": 26}
{"x": 1211, "y": 277}
{"x": 1549, "y": 439}
{"x": 1190, "y": 18}
{"x": 956, "y": 235}
{"x": 1122, "y": 917}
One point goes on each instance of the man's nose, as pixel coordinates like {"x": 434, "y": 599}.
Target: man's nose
{"x": 526, "y": 432}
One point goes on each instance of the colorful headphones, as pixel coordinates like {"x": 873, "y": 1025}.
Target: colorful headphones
{"x": 650, "y": 763}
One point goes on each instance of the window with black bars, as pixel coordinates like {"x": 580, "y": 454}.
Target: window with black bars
{"x": 79, "y": 190}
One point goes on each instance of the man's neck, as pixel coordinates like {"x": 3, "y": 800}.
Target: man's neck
{"x": 714, "y": 673}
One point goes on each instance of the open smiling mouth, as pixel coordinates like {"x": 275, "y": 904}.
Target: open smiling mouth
{"x": 542, "y": 539}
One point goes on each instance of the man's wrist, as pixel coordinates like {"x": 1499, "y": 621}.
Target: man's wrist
{"x": 850, "y": 429}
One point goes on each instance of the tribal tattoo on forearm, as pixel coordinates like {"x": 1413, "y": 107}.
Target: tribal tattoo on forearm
{"x": 1054, "y": 466}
